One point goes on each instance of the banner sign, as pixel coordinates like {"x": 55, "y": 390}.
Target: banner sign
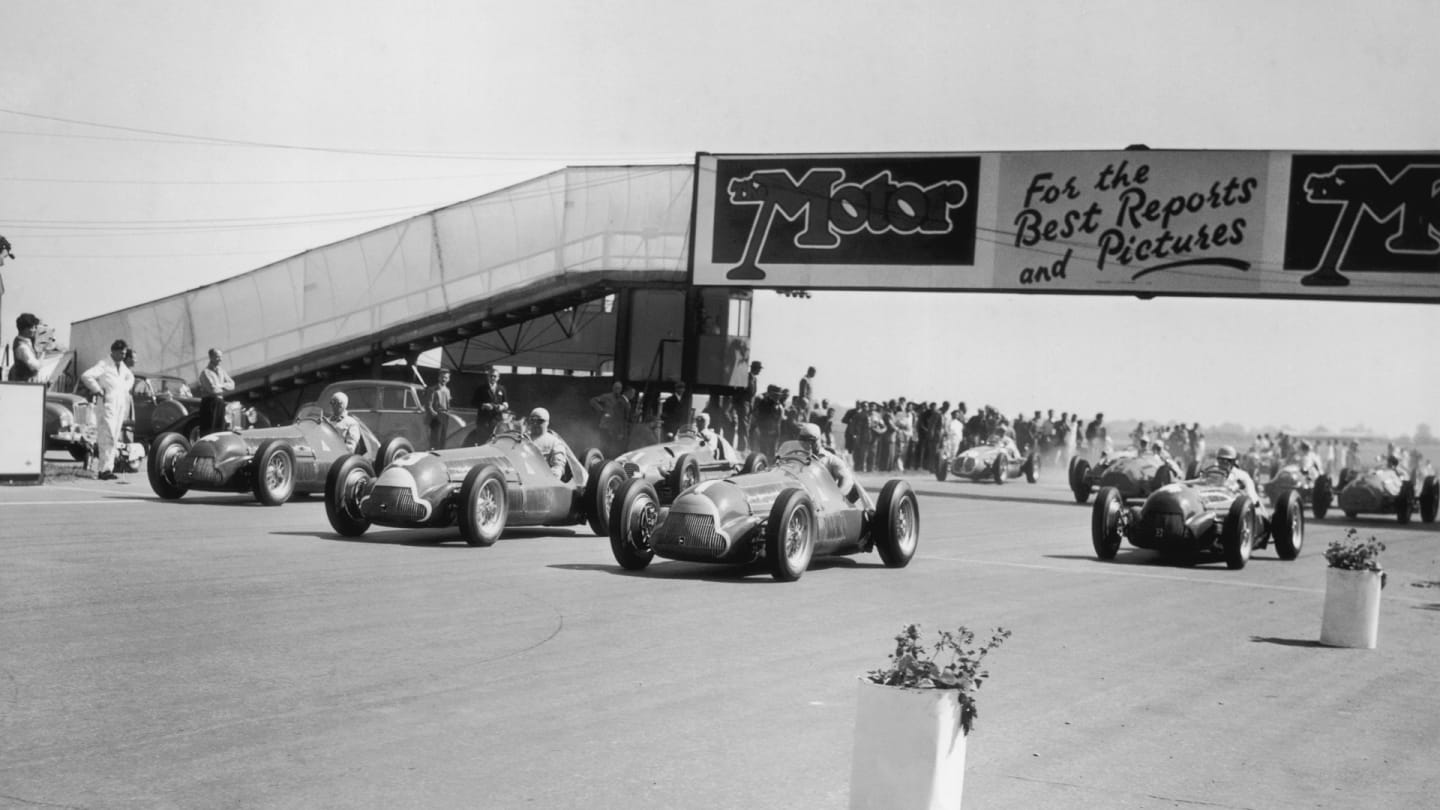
{"x": 1245, "y": 223}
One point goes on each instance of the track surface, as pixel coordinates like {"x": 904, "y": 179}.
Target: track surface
{"x": 212, "y": 652}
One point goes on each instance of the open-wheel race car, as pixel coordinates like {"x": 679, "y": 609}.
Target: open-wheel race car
{"x": 1389, "y": 490}
{"x": 1133, "y": 473}
{"x": 785, "y": 516}
{"x": 1316, "y": 491}
{"x": 274, "y": 463}
{"x": 988, "y": 462}
{"x": 504, "y": 482}
{"x": 674, "y": 466}
{"x": 1195, "y": 519}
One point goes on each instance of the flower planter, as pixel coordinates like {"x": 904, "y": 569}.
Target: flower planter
{"x": 909, "y": 749}
{"x": 1352, "y": 609}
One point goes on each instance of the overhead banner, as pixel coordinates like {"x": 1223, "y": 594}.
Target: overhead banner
{"x": 1141, "y": 222}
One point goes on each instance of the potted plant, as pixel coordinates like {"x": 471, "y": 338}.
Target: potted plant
{"x": 912, "y": 718}
{"x": 1352, "y": 592}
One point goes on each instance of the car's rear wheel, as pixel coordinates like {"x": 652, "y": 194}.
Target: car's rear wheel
{"x": 600, "y": 489}
{"x": 274, "y": 472}
{"x": 164, "y": 454}
{"x": 790, "y": 535}
{"x": 391, "y": 449}
{"x": 942, "y": 469}
{"x": 1430, "y": 499}
{"x": 634, "y": 516}
{"x": 896, "y": 526}
{"x": 1000, "y": 469}
{"x": 348, "y": 480}
{"x": 1105, "y": 533}
{"x": 1321, "y": 497}
{"x": 685, "y": 474}
{"x": 1031, "y": 474}
{"x": 484, "y": 505}
{"x": 1405, "y": 501}
{"x": 1287, "y": 525}
{"x": 1237, "y": 537}
{"x": 1079, "y": 475}
{"x": 755, "y": 462}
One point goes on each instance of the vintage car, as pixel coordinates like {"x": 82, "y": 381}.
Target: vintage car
{"x": 674, "y": 466}
{"x": 504, "y": 482}
{"x": 395, "y": 408}
{"x": 274, "y": 463}
{"x": 988, "y": 462}
{"x": 1389, "y": 490}
{"x": 1133, "y": 473}
{"x": 785, "y": 516}
{"x": 160, "y": 401}
{"x": 1315, "y": 491}
{"x": 1194, "y": 519}
{"x": 70, "y": 425}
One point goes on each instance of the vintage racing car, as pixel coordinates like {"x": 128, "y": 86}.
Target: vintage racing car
{"x": 988, "y": 462}
{"x": 1192, "y": 519}
{"x": 785, "y": 515}
{"x": 1316, "y": 491}
{"x": 1133, "y": 473}
{"x": 504, "y": 482}
{"x": 274, "y": 463}
{"x": 674, "y": 466}
{"x": 1389, "y": 490}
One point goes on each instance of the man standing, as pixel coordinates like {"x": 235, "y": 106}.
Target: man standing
{"x": 212, "y": 387}
{"x": 110, "y": 381}
{"x": 614, "y": 412}
{"x": 491, "y": 405}
{"x": 807, "y": 385}
{"x": 437, "y": 404}
{"x": 745, "y": 406}
{"x": 27, "y": 360}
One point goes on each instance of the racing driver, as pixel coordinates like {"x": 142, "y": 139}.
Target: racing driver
{"x": 836, "y": 466}
{"x": 1234, "y": 477}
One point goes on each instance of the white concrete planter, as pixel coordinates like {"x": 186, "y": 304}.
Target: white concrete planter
{"x": 1352, "y": 609}
{"x": 909, "y": 749}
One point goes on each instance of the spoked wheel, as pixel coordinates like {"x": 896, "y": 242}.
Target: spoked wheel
{"x": 600, "y": 491}
{"x": 1237, "y": 537}
{"x": 634, "y": 516}
{"x": 790, "y": 535}
{"x": 896, "y": 527}
{"x": 1106, "y": 530}
{"x": 484, "y": 505}
{"x": 685, "y": 474}
{"x": 349, "y": 479}
{"x": 274, "y": 472}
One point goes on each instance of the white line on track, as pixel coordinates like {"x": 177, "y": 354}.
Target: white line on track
{"x": 72, "y": 503}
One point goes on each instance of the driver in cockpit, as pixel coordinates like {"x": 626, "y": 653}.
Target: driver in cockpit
{"x": 724, "y": 451}
{"x": 836, "y": 466}
{"x": 1002, "y": 440}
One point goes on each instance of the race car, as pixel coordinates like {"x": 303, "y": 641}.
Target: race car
{"x": 1316, "y": 491}
{"x": 674, "y": 466}
{"x": 504, "y": 482}
{"x": 1133, "y": 473}
{"x": 988, "y": 462}
{"x": 1199, "y": 518}
{"x": 1389, "y": 490}
{"x": 274, "y": 463}
{"x": 784, "y": 516}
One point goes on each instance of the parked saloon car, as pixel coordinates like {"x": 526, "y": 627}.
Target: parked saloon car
{"x": 160, "y": 401}
{"x": 1193, "y": 519}
{"x": 484, "y": 489}
{"x": 395, "y": 408}
{"x": 784, "y": 516}
{"x": 1133, "y": 473}
{"x": 988, "y": 462}
{"x": 274, "y": 463}
{"x": 69, "y": 424}
{"x": 1389, "y": 490}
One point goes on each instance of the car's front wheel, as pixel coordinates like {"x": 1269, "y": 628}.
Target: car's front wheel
{"x": 685, "y": 474}
{"x": 1079, "y": 473}
{"x": 896, "y": 525}
{"x": 600, "y": 489}
{"x": 484, "y": 505}
{"x": 790, "y": 535}
{"x": 634, "y": 514}
{"x": 1237, "y": 536}
{"x": 1288, "y": 525}
{"x": 1430, "y": 499}
{"x": 274, "y": 472}
{"x": 347, "y": 481}
{"x": 1105, "y": 529}
{"x": 1405, "y": 502}
{"x": 1321, "y": 497}
{"x": 164, "y": 455}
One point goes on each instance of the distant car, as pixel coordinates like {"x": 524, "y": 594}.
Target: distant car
{"x": 786, "y": 516}
{"x": 988, "y": 462}
{"x": 70, "y": 424}
{"x": 674, "y": 466}
{"x": 1195, "y": 519}
{"x": 1389, "y": 490}
{"x": 274, "y": 463}
{"x": 504, "y": 482}
{"x": 1132, "y": 473}
{"x": 160, "y": 400}
{"x": 396, "y": 408}
{"x": 1316, "y": 491}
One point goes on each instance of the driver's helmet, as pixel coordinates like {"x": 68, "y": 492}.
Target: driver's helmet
{"x": 1226, "y": 456}
{"x": 810, "y": 436}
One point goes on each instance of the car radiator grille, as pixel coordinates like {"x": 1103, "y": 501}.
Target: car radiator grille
{"x": 690, "y": 537}
{"x": 199, "y": 471}
{"x": 392, "y": 503}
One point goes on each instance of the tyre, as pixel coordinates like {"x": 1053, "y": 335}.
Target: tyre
{"x": 999, "y": 469}
{"x": 391, "y": 449}
{"x": 755, "y": 462}
{"x": 1430, "y": 499}
{"x": 1105, "y": 533}
{"x": 349, "y": 478}
{"x": 1287, "y": 525}
{"x": 164, "y": 453}
{"x": 790, "y": 535}
{"x": 484, "y": 505}
{"x": 896, "y": 526}
{"x": 685, "y": 474}
{"x": 600, "y": 489}
{"x": 1164, "y": 477}
{"x": 1079, "y": 472}
{"x": 1321, "y": 497}
{"x": 274, "y": 472}
{"x": 1405, "y": 501}
{"x": 634, "y": 514}
{"x": 1031, "y": 474}
{"x": 942, "y": 470}
{"x": 1237, "y": 537}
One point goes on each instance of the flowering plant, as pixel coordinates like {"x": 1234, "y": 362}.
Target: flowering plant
{"x": 1354, "y": 555}
{"x": 952, "y": 662}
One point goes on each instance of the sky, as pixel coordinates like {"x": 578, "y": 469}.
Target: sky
{"x": 147, "y": 148}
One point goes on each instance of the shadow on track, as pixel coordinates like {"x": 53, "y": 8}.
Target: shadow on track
{"x": 1288, "y": 642}
{"x": 752, "y": 574}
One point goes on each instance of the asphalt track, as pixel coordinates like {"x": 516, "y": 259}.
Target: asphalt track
{"x": 213, "y": 653}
